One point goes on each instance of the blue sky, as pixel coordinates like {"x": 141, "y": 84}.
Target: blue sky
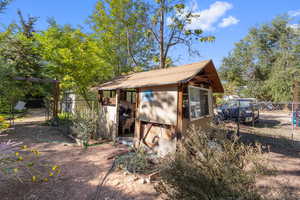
{"x": 228, "y": 20}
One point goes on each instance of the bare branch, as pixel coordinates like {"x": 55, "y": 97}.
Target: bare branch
{"x": 155, "y": 35}
{"x": 129, "y": 48}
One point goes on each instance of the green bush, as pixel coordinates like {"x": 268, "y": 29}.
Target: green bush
{"x": 5, "y": 106}
{"x": 135, "y": 162}
{"x": 85, "y": 126}
{"x": 209, "y": 166}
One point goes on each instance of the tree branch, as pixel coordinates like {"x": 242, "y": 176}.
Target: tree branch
{"x": 129, "y": 49}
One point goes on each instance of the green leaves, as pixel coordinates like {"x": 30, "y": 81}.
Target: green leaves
{"x": 265, "y": 61}
{"x": 207, "y": 39}
{"x": 120, "y": 30}
{"x": 179, "y": 6}
{"x": 198, "y": 31}
{"x": 72, "y": 57}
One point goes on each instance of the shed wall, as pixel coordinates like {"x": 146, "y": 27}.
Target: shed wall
{"x": 107, "y": 121}
{"x": 158, "y": 105}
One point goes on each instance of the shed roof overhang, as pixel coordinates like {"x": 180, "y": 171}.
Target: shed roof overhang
{"x": 204, "y": 70}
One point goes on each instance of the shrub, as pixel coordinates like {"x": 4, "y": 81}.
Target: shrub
{"x": 85, "y": 126}
{"x": 209, "y": 166}
{"x": 135, "y": 162}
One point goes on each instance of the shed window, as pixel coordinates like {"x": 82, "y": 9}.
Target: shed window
{"x": 199, "y": 102}
{"x": 109, "y": 93}
{"x": 130, "y": 97}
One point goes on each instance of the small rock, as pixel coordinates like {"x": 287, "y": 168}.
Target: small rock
{"x": 148, "y": 180}
{"x": 133, "y": 179}
{"x": 116, "y": 183}
{"x": 126, "y": 173}
{"x": 143, "y": 181}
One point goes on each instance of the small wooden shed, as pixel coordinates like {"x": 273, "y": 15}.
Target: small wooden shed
{"x": 156, "y": 107}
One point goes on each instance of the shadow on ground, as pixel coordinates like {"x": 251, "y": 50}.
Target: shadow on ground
{"x": 81, "y": 169}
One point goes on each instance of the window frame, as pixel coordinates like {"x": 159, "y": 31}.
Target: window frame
{"x": 209, "y": 95}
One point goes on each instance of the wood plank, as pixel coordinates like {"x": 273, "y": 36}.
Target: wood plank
{"x": 137, "y": 129}
{"x": 116, "y": 131}
{"x": 179, "y": 111}
{"x": 198, "y": 78}
{"x": 100, "y": 96}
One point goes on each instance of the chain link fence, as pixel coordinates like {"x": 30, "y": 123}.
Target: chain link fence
{"x": 265, "y": 122}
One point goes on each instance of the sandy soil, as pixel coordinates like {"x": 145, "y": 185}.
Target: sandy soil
{"x": 82, "y": 169}
{"x": 274, "y": 132}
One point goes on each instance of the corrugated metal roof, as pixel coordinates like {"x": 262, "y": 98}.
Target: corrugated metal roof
{"x": 159, "y": 77}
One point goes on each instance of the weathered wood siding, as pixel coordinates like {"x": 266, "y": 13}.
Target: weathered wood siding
{"x": 158, "y": 105}
{"x": 107, "y": 121}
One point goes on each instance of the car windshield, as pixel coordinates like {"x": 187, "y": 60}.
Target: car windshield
{"x": 235, "y": 103}
{"x": 245, "y": 103}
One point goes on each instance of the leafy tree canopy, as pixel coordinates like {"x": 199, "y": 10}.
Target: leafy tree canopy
{"x": 119, "y": 29}
{"x": 265, "y": 62}
{"x": 72, "y": 57}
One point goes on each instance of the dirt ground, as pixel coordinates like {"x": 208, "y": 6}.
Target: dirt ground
{"x": 83, "y": 169}
{"x": 274, "y": 131}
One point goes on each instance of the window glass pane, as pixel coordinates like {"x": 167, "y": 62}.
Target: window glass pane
{"x": 245, "y": 103}
{"x": 204, "y": 103}
{"x": 106, "y": 93}
{"x": 133, "y": 97}
{"x": 195, "y": 103}
{"x": 199, "y": 102}
{"x": 113, "y": 94}
{"x": 128, "y": 96}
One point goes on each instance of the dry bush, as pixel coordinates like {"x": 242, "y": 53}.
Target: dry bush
{"x": 210, "y": 166}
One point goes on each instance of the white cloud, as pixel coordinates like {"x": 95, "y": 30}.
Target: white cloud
{"x": 210, "y": 16}
{"x": 294, "y": 13}
{"x": 294, "y": 26}
{"x": 228, "y": 21}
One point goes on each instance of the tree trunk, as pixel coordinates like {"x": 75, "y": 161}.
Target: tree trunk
{"x": 161, "y": 32}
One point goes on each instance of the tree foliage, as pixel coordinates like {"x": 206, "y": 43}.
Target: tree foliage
{"x": 265, "y": 62}
{"x": 72, "y": 57}
{"x": 119, "y": 29}
{"x": 20, "y": 57}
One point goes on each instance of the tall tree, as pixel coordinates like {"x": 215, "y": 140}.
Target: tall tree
{"x": 119, "y": 28}
{"x": 20, "y": 49}
{"x": 265, "y": 61}
{"x": 170, "y": 27}
{"x": 72, "y": 57}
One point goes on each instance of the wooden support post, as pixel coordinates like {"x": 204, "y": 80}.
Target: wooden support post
{"x": 55, "y": 99}
{"x": 100, "y": 96}
{"x": 137, "y": 129}
{"x": 179, "y": 111}
{"x": 116, "y": 131}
